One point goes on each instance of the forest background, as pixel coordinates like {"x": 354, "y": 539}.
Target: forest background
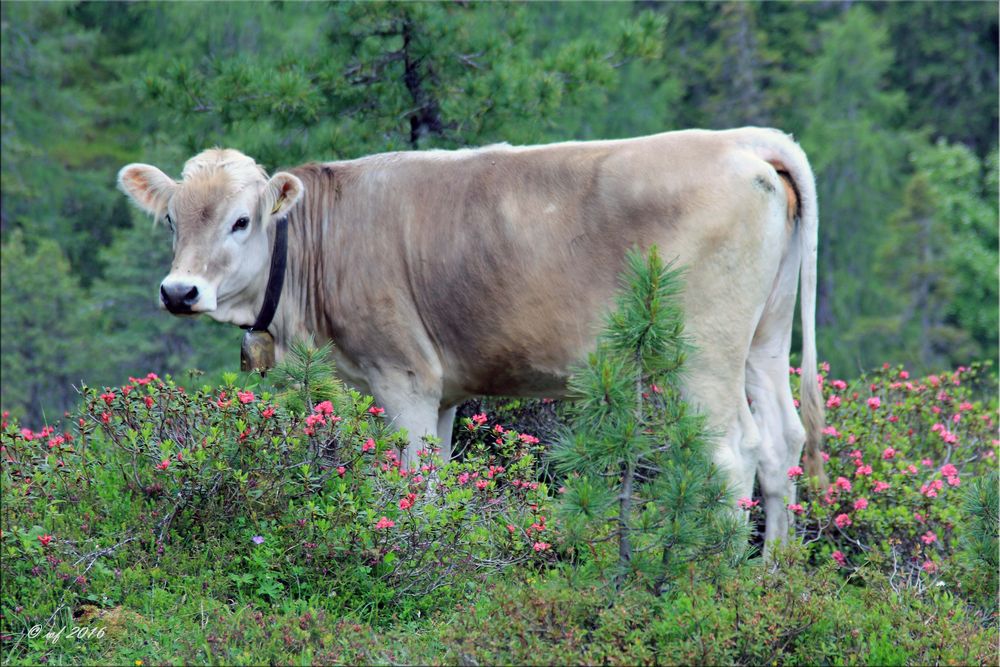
{"x": 895, "y": 103}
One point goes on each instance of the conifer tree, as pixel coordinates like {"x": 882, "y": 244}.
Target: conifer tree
{"x": 637, "y": 458}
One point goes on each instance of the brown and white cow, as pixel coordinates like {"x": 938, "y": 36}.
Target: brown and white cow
{"x": 441, "y": 275}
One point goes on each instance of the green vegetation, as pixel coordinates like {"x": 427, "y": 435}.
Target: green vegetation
{"x": 191, "y": 515}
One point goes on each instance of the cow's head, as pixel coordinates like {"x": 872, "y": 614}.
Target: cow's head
{"x": 221, "y": 214}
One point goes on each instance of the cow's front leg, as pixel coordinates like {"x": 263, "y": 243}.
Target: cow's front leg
{"x": 446, "y": 423}
{"x": 410, "y": 405}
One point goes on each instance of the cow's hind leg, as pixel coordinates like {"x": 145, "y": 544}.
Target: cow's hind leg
{"x": 782, "y": 437}
{"x": 782, "y": 433}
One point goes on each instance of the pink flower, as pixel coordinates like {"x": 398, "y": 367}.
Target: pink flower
{"x": 839, "y": 385}
{"x": 843, "y": 483}
{"x": 376, "y": 411}
{"x": 927, "y": 463}
{"x": 108, "y": 397}
{"x": 881, "y": 486}
{"x": 463, "y": 478}
{"x": 888, "y": 453}
{"x": 874, "y": 402}
{"x": 268, "y": 412}
{"x": 831, "y": 431}
{"x": 541, "y": 546}
{"x": 45, "y": 539}
{"x": 863, "y": 470}
{"x": 324, "y": 408}
{"x": 746, "y": 503}
{"x": 904, "y": 375}
{"x": 313, "y": 420}
{"x": 341, "y": 470}
{"x": 479, "y": 419}
{"x": 368, "y": 446}
{"x": 384, "y": 523}
{"x": 930, "y": 567}
{"x": 965, "y": 406}
{"x": 528, "y": 439}
{"x": 929, "y": 537}
{"x": 245, "y": 396}
{"x": 148, "y": 400}
{"x": 949, "y": 470}
{"x": 833, "y": 402}
{"x": 839, "y": 556}
{"x": 912, "y": 469}
{"x": 482, "y": 484}
{"x": 163, "y": 465}
{"x": 511, "y": 528}
{"x": 825, "y": 457}
{"x": 405, "y": 504}
{"x": 794, "y": 471}
{"x": 842, "y": 521}
{"x": 861, "y": 503}
{"x": 796, "y": 508}
{"x": 954, "y": 480}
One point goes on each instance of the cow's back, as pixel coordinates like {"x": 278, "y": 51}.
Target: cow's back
{"x": 511, "y": 255}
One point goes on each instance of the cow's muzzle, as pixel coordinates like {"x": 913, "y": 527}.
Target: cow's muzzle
{"x": 179, "y": 298}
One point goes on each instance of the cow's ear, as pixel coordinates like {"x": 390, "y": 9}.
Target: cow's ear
{"x": 283, "y": 190}
{"x": 147, "y": 186}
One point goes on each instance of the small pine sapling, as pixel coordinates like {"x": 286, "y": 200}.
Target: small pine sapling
{"x": 637, "y": 459}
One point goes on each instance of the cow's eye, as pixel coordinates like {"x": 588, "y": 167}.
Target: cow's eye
{"x": 241, "y": 224}
{"x": 170, "y": 222}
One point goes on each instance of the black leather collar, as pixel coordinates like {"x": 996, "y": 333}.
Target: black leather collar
{"x": 276, "y": 278}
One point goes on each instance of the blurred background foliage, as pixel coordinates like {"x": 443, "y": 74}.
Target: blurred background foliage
{"x": 895, "y": 103}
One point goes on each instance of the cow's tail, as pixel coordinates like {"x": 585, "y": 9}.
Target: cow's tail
{"x": 781, "y": 151}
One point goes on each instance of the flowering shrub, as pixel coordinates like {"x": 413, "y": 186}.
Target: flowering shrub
{"x": 153, "y": 474}
{"x": 900, "y": 450}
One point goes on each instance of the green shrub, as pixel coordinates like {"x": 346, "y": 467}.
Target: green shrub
{"x": 638, "y": 461}
{"x": 901, "y": 451}
{"x": 155, "y": 486}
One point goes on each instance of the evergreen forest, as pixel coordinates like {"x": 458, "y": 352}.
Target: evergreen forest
{"x": 895, "y": 103}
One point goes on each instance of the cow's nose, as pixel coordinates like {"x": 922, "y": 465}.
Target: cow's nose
{"x": 178, "y": 297}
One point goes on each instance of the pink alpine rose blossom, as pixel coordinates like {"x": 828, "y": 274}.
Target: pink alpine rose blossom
{"x": 839, "y": 556}
{"x": 861, "y": 503}
{"x": 384, "y": 523}
{"x": 888, "y": 453}
{"x": 874, "y": 402}
{"x": 842, "y": 521}
{"x": 833, "y": 402}
{"x": 794, "y": 471}
{"x": 929, "y": 537}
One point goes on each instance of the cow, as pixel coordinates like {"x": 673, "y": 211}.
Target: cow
{"x": 445, "y": 274}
